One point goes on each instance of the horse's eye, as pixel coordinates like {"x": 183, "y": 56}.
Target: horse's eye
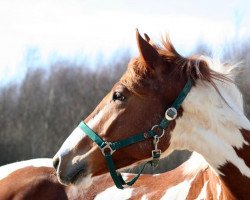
{"x": 117, "y": 96}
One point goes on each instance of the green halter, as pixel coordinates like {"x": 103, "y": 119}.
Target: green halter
{"x": 108, "y": 148}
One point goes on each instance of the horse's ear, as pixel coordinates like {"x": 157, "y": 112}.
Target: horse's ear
{"x": 148, "y": 53}
{"x": 147, "y": 37}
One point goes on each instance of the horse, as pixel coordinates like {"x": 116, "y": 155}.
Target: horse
{"x": 210, "y": 122}
{"x": 164, "y": 102}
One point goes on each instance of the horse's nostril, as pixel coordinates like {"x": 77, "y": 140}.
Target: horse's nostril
{"x": 56, "y": 162}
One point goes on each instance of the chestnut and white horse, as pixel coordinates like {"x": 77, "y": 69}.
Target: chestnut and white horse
{"x": 208, "y": 120}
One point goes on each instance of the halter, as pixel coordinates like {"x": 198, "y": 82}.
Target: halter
{"x": 108, "y": 148}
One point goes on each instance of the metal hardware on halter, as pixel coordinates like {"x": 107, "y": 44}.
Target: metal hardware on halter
{"x": 171, "y": 113}
{"x": 157, "y": 126}
{"x": 156, "y": 153}
{"x": 107, "y": 146}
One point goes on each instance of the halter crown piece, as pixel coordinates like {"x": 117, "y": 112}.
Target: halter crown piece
{"x": 108, "y": 148}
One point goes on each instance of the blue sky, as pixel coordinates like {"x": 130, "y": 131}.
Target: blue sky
{"x": 72, "y": 28}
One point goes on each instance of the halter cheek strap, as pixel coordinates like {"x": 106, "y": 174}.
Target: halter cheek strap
{"x": 108, "y": 148}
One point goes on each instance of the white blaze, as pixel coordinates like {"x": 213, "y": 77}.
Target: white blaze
{"x": 75, "y": 137}
{"x": 78, "y": 134}
{"x": 97, "y": 118}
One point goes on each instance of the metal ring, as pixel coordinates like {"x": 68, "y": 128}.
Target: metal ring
{"x": 157, "y": 126}
{"x": 107, "y": 147}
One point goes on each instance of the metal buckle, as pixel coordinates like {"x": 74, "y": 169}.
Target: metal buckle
{"x": 157, "y": 126}
{"x": 155, "y": 153}
{"x": 171, "y": 114}
{"x": 107, "y": 146}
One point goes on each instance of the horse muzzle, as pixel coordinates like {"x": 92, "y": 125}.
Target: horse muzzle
{"x": 69, "y": 172}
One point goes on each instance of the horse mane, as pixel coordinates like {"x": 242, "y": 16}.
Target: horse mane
{"x": 196, "y": 67}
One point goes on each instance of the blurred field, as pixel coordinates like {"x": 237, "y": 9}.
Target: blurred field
{"x": 37, "y": 115}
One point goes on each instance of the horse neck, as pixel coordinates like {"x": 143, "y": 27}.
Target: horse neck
{"x": 217, "y": 129}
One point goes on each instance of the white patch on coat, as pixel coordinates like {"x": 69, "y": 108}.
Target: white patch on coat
{"x": 194, "y": 164}
{"x": 114, "y": 193}
{"x": 144, "y": 197}
{"x": 9, "y": 168}
{"x": 203, "y": 193}
{"x": 211, "y": 127}
{"x": 218, "y": 191}
{"x": 179, "y": 191}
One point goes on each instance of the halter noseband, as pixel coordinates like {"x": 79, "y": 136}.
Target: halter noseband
{"x": 108, "y": 148}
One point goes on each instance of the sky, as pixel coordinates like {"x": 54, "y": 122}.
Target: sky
{"x": 79, "y": 29}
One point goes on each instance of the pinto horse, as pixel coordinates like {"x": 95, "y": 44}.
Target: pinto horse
{"x": 209, "y": 121}
{"x": 165, "y": 102}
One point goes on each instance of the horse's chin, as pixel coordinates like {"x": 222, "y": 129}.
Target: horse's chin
{"x": 79, "y": 180}
{"x": 83, "y": 182}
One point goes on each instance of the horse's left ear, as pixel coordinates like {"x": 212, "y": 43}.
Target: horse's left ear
{"x": 147, "y": 37}
{"x": 147, "y": 51}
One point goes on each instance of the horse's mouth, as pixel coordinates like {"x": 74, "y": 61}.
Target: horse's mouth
{"x": 75, "y": 178}
{"x": 77, "y": 174}
{"x": 81, "y": 178}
